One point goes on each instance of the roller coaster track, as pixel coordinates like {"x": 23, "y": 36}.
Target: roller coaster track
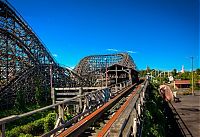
{"x": 25, "y": 62}
{"x": 115, "y": 118}
{"x": 24, "y": 59}
{"x": 97, "y": 62}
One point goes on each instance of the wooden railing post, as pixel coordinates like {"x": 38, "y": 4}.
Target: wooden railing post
{"x": 116, "y": 88}
{"x": 80, "y": 99}
{"x": 120, "y": 86}
{"x": 135, "y": 127}
{"x": 3, "y": 130}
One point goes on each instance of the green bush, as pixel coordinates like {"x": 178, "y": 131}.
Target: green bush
{"x": 49, "y": 122}
{"x": 14, "y": 132}
{"x": 25, "y": 135}
{"x": 35, "y": 128}
{"x": 155, "y": 122}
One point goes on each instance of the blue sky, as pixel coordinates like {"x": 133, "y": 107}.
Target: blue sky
{"x": 162, "y": 34}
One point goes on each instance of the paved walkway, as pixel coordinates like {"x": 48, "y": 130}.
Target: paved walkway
{"x": 189, "y": 111}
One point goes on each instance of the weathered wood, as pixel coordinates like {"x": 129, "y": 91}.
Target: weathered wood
{"x": 84, "y": 88}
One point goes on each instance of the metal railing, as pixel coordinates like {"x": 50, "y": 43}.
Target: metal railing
{"x": 130, "y": 120}
{"x": 101, "y": 94}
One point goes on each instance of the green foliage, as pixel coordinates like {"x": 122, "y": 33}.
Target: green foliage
{"x": 161, "y": 80}
{"x": 155, "y": 122}
{"x": 20, "y": 100}
{"x": 49, "y": 122}
{"x": 186, "y": 75}
{"x": 39, "y": 92}
{"x": 25, "y": 135}
{"x": 174, "y": 72}
{"x": 142, "y": 73}
{"x": 198, "y": 71}
{"x": 67, "y": 116}
{"x": 35, "y": 128}
{"x": 24, "y": 120}
{"x": 38, "y": 95}
{"x": 196, "y": 79}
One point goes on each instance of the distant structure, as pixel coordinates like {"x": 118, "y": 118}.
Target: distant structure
{"x": 182, "y": 70}
{"x": 171, "y": 79}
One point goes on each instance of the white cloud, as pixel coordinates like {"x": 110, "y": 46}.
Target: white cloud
{"x": 55, "y": 55}
{"x": 131, "y": 51}
{"x": 70, "y": 67}
{"x": 112, "y": 50}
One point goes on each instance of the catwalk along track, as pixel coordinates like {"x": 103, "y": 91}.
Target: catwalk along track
{"x": 99, "y": 123}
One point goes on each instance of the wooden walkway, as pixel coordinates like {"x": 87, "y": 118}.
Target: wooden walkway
{"x": 189, "y": 111}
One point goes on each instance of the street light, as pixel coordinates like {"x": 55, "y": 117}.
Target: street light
{"x": 192, "y": 58}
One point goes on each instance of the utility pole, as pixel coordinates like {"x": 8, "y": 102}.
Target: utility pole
{"x": 192, "y": 58}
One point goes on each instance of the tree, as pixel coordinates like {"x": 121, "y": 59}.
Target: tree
{"x": 198, "y": 71}
{"x": 20, "y": 100}
{"x": 148, "y": 69}
{"x": 174, "y": 72}
{"x": 196, "y": 79}
{"x": 185, "y": 75}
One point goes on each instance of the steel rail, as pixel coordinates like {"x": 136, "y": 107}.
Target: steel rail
{"x": 83, "y": 124}
{"x": 105, "y": 129}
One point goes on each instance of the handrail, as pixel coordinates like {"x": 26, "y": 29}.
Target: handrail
{"x": 8, "y": 119}
{"x": 15, "y": 117}
{"x": 129, "y": 117}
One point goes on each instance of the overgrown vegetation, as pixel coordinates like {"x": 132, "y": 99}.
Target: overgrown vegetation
{"x": 20, "y": 100}
{"x": 158, "y": 117}
{"x": 21, "y": 105}
{"x": 35, "y": 128}
{"x": 155, "y": 122}
{"x": 24, "y": 120}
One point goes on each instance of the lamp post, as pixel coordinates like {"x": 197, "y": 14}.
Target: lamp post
{"x": 192, "y": 58}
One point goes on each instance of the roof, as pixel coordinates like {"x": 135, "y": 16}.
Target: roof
{"x": 118, "y": 65}
{"x": 184, "y": 82}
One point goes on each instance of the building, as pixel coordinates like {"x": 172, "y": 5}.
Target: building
{"x": 183, "y": 83}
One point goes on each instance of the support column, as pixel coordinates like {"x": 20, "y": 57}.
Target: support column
{"x": 139, "y": 109}
{"x": 77, "y": 109}
{"x": 2, "y": 130}
{"x": 53, "y": 95}
{"x": 67, "y": 109}
{"x": 116, "y": 88}
{"x": 61, "y": 112}
{"x": 116, "y": 77}
{"x": 120, "y": 86}
{"x": 80, "y": 99}
{"x": 130, "y": 77}
{"x": 142, "y": 101}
